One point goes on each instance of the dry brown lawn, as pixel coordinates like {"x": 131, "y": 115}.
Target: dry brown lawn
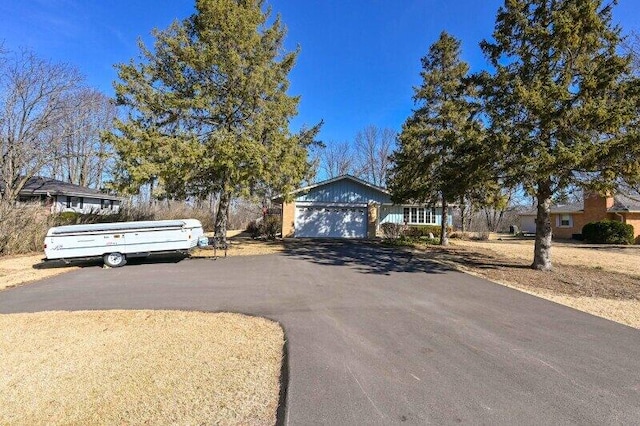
{"x": 603, "y": 281}
{"x": 624, "y": 259}
{"x": 16, "y": 270}
{"x": 240, "y": 244}
{"x": 140, "y": 367}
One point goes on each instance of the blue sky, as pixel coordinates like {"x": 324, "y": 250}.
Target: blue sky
{"x": 358, "y": 63}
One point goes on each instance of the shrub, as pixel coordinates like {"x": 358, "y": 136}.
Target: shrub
{"x": 608, "y": 232}
{"x": 23, "y": 228}
{"x": 391, "y": 230}
{"x": 271, "y": 226}
{"x": 424, "y": 231}
{"x": 66, "y": 218}
{"x": 480, "y": 236}
{"x": 254, "y": 229}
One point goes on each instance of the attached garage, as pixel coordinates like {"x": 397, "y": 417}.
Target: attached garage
{"x": 315, "y": 221}
{"x": 348, "y": 207}
{"x": 343, "y": 207}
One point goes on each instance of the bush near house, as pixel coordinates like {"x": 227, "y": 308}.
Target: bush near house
{"x": 391, "y": 230}
{"x": 608, "y": 232}
{"x": 424, "y": 231}
{"x": 269, "y": 227}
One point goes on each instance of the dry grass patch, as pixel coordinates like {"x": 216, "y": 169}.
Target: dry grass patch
{"x": 240, "y": 244}
{"x": 593, "y": 289}
{"x": 623, "y": 259}
{"x": 143, "y": 367}
{"x": 17, "y": 270}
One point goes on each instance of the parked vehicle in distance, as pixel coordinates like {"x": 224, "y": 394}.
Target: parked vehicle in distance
{"x": 117, "y": 242}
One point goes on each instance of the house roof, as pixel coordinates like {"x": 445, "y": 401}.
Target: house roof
{"x": 626, "y": 203}
{"x": 558, "y": 208}
{"x": 621, "y": 203}
{"x": 336, "y": 179}
{"x": 39, "y": 185}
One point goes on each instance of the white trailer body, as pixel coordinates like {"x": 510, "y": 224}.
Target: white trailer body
{"x": 114, "y": 242}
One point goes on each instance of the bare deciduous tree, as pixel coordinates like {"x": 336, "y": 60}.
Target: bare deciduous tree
{"x": 33, "y": 102}
{"x": 373, "y": 149}
{"x": 83, "y": 156}
{"x": 337, "y": 159}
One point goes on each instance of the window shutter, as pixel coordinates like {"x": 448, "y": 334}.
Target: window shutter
{"x": 68, "y": 202}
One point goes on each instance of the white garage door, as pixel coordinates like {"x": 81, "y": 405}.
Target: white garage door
{"x": 331, "y": 222}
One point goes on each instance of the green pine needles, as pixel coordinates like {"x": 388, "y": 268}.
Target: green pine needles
{"x": 208, "y": 109}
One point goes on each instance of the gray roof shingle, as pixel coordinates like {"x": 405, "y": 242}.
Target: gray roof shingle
{"x": 621, "y": 203}
{"x": 39, "y": 185}
{"x": 627, "y": 203}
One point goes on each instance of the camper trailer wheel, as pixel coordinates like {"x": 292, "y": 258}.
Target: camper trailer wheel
{"x": 114, "y": 260}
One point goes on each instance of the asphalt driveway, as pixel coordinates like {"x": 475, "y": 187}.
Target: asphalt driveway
{"x": 380, "y": 337}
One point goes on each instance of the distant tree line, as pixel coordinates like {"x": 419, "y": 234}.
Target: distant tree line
{"x": 50, "y": 124}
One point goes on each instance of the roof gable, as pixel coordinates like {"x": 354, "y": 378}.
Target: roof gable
{"x": 339, "y": 178}
{"x": 345, "y": 189}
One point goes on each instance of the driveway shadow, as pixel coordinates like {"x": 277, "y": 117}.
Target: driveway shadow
{"x": 92, "y": 262}
{"x": 367, "y": 257}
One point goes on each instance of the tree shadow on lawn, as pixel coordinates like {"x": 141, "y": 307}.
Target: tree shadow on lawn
{"x": 473, "y": 258}
{"x": 569, "y": 280}
{"x": 368, "y": 257}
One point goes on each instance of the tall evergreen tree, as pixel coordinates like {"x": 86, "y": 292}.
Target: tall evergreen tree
{"x": 209, "y": 109}
{"x": 562, "y": 104}
{"x": 439, "y": 148}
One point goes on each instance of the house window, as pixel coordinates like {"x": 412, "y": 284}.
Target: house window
{"x": 419, "y": 215}
{"x": 565, "y": 221}
{"x": 431, "y": 215}
{"x": 75, "y": 202}
{"x": 108, "y": 204}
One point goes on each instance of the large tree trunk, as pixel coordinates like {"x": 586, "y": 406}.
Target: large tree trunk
{"x": 222, "y": 216}
{"x": 444, "y": 238}
{"x": 542, "y": 251}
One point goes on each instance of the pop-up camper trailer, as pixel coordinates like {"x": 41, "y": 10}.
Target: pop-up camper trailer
{"x": 115, "y": 242}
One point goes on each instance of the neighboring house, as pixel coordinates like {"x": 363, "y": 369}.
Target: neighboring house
{"x": 348, "y": 207}
{"x": 568, "y": 220}
{"x": 58, "y": 196}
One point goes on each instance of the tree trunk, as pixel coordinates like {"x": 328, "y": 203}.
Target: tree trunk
{"x": 151, "y": 186}
{"x": 222, "y": 216}
{"x": 542, "y": 251}
{"x": 463, "y": 215}
{"x": 444, "y": 238}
